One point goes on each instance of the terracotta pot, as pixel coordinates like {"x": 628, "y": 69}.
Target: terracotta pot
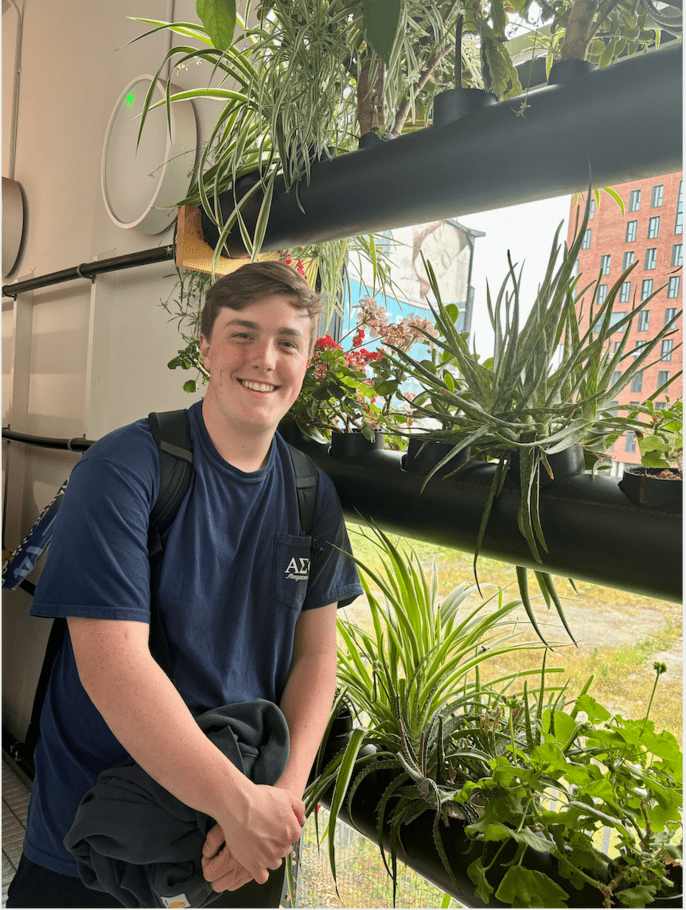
{"x": 348, "y": 445}
{"x": 423, "y": 455}
{"x": 567, "y": 463}
{"x": 643, "y": 487}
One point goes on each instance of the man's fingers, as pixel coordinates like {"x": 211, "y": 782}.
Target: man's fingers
{"x": 213, "y": 842}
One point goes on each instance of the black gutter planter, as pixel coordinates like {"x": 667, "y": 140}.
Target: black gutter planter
{"x": 645, "y": 487}
{"x": 348, "y": 445}
{"x": 423, "y": 455}
{"x": 458, "y": 102}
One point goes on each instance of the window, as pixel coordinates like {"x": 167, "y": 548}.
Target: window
{"x": 625, "y": 292}
{"x": 666, "y": 349}
{"x": 662, "y": 378}
{"x": 679, "y": 221}
{"x": 670, "y": 313}
{"x": 631, "y": 231}
{"x": 575, "y": 270}
{"x": 616, "y": 376}
{"x": 612, "y": 408}
{"x": 627, "y": 260}
{"x": 677, "y": 254}
{"x": 637, "y": 383}
{"x": 659, "y": 405}
{"x": 635, "y": 201}
{"x": 651, "y": 258}
{"x": 602, "y": 294}
{"x": 586, "y": 242}
{"x": 592, "y": 211}
{"x": 673, "y": 286}
{"x": 643, "y": 321}
{"x": 646, "y": 288}
{"x": 654, "y": 227}
{"x": 605, "y": 264}
{"x": 630, "y": 442}
{"x": 638, "y": 349}
{"x": 657, "y": 196}
{"x": 614, "y": 319}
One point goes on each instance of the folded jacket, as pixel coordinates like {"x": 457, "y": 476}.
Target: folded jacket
{"x": 133, "y": 839}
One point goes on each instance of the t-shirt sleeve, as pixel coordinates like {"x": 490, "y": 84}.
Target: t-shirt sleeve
{"x": 97, "y": 565}
{"x": 333, "y": 574}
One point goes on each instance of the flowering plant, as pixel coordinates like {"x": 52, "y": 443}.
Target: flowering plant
{"x": 357, "y": 389}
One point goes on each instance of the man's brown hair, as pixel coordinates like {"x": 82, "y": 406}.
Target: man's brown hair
{"x": 258, "y": 281}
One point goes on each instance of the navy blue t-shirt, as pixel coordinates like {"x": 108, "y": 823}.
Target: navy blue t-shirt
{"x": 234, "y": 581}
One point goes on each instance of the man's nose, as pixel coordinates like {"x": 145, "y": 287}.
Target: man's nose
{"x": 265, "y": 354}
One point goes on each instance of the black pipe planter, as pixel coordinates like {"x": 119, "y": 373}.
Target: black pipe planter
{"x": 620, "y": 123}
{"x": 594, "y": 533}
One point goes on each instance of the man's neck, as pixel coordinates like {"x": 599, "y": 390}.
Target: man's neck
{"x": 244, "y": 450}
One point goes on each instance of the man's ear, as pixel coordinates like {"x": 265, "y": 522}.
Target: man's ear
{"x": 204, "y": 351}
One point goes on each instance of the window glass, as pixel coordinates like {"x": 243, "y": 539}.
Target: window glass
{"x": 643, "y": 321}
{"x": 673, "y": 286}
{"x": 666, "y": 349}
{"x": 654, "y": 227}
{"x": 677, "y": 254}
{"x": 662, "y": 377}
{"x": 631, "y": 231}
{"x": 651, "y": 258}
{"x": 646, "y": 288}
{"x": 635, "y": 200}
{"x": 637, "y": 383}
{"x": 605, "y": 264}
{"x": 625, "y": 292}
{"x": 657, "y": 195}
{"x": 670, "y": 313}
{"x": 630, "y": 442}
{"x": 586, "y": 242}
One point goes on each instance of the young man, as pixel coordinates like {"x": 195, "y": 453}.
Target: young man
{"x": 240, "y": 626}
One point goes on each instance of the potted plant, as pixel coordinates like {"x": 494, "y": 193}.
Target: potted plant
{"x": 550, "y": 385}
{"x": 498, "y": 792}
{"x": 658, "y": 483}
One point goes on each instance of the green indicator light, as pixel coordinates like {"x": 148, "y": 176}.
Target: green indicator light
{"x": 129, "y": 98}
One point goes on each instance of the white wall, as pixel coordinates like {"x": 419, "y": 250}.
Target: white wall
{"x": 76, "y": 60}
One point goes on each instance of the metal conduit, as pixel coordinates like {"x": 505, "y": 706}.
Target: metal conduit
{"x": 90, "y": 269}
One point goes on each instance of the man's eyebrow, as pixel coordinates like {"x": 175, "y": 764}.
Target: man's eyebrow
{"x": 248, "y": 324}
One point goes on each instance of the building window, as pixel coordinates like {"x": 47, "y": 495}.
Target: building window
{"x": 605, "y": 264}
{"x": 602, "y": 294}
{"x": 616, "y": 376}
{"x": 651, "y": 258}
{"x": 575, "y": 270}
{"x": 679, "y": 222}
{"x": 666, "y": 349}
{"x": 592, "y": 209}
{"x": 643, "y": 321}
{"x": 638, "y": 349}
{"x": 677, "y": 255}
{"x": 631, "y": 231}
{"x": 670, "y": 313}
{"x": 659, "y": 405}
{"x": 635, "y": 201}
{"x": 637, "y": 383}
{"x": 630, "y": 442}
{"x": 625, "y": 292}
{"x": 654, "y": 227}
{"x": 646, "y": 288}
{"x": 662, "y": 378}
{"x": 657, "y": 196}
{"x": 627, "y": 260}
{"x": 615, "y": 346}
{"x": 614, "y": 319}
{"x": 673, "y": 286}
{"x": 586, "y": 243}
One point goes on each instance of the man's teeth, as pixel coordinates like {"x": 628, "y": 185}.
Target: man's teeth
{"x": 258, "y": 386}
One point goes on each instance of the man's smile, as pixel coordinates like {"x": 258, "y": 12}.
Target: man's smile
{"x": 258, "y": 386}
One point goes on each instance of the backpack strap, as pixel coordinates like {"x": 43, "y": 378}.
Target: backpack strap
{"x": 171, "y": 432}
{"x": 306, "y": 482}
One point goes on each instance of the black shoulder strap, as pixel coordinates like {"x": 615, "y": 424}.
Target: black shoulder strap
{"x": 306, "y": 487}
{"x": 171, "y": 432}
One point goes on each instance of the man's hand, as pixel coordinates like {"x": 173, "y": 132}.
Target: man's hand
{"x": 257, "y": 837}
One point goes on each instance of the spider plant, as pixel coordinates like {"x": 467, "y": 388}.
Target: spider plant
{"x": 550, "y": 384}
{"x": 414, "y": 683}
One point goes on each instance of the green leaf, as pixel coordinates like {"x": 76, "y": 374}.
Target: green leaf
{"x": 190, "y": 386}
{"x": 219, "y": 20}
{"x": 638, "y": 896}
{"x": 381, "y": 20}
{"x": 525, "y": 888}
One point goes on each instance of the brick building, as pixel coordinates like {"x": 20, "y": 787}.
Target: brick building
{"x": 649, "y": 233}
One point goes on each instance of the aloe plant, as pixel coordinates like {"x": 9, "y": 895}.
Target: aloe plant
{"x": 549, "y": 385}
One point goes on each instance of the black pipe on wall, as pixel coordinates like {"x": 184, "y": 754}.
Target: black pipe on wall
{"x": 593, "y": 532}
{"x": 623, "y": 123}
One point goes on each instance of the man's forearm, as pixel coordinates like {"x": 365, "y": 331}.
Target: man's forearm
{"x": 306, "y": 704}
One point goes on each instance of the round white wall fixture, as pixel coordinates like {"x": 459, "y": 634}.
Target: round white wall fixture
{"x": 141, "y": 186}
{"x": 12, "y": 224}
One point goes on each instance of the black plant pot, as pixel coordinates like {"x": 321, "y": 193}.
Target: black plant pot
{"x": 566, "y": 70}
{"x": 423, "y": 455}
{"x": 348, "y": 445}
{"x": 644, "y": 488}
{"x": 456, "y": 103}
{"x": 565, "y": 464}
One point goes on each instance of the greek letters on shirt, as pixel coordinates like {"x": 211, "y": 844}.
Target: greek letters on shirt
{"x": 298, "y": 569}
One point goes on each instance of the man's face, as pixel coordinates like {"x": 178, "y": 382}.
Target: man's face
{"x": 257, "y": 359}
